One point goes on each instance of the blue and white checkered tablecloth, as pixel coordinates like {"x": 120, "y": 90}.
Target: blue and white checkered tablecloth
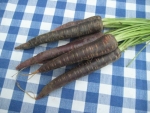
{"x": 112, "y": 89}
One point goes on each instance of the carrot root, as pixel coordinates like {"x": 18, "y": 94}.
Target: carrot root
{"x": 27, "y": 92}
{"x": 31, "y": 76}
{"x": 18, "y": 73}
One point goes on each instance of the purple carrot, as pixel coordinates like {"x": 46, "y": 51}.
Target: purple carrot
{"x": 84, "y": 28}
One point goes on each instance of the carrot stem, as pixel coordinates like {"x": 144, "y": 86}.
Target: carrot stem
{"x": 137, "y": 54}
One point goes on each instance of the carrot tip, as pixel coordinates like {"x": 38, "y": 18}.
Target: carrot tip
{"x": 19, "y": 47}
{"x": 23, "y": 46}
{"x": 37, "y": 98}
{"x": 17, "y": 68}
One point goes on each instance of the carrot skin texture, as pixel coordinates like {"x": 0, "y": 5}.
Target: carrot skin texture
{"x": 82, "y": 29}
{"x": 54, "y": 52}
{"x": 80, "y": 71}
{"x": 104, "y": 45}
{"x": 73, "y": 23}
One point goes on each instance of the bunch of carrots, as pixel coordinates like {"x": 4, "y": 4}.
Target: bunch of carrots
{"x": 93, "y": 48}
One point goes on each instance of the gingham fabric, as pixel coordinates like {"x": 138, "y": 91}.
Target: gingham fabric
{"x": 112, "y": 89}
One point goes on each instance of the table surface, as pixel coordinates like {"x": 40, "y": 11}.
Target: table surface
{"x": 112, "y": 89}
